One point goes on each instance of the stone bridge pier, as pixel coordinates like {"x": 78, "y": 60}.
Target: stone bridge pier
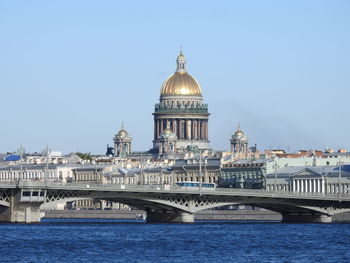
{"x": 169, "y": 217}
{"x": 302, "y": 218}
{"x": 19, "y": 206}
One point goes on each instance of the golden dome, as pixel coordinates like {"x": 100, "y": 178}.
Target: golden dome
{"x": 181, "y": 83}
{"x": 239, "y": 132}
{"x": 122, "y": 133}
{"x": 239, "y": 135}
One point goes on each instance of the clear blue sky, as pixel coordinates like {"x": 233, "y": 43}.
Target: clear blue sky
{"x": 72, "y": 71}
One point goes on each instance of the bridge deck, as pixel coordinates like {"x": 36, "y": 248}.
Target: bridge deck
{"x": 96, "y": 187}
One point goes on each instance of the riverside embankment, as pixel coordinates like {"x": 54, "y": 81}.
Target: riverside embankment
{"x": 224, "y": 215}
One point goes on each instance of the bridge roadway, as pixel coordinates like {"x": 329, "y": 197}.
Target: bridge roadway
{"x": 21, "y": 201}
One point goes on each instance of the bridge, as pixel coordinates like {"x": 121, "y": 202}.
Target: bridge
{"x": 21, "y": 201}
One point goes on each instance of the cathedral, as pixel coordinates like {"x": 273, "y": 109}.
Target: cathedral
{"x": 180, "y": 119}
{"x": 181, "y": 112}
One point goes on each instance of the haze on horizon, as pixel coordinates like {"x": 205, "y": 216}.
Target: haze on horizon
{"x": 72, "y": 71}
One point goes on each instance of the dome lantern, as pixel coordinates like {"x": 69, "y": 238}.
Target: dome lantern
{"x": 181, "y": 63}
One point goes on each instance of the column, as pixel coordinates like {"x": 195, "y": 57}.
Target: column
{"x": 322, "y": 186}
{"x": 183, "y": 129}
{"x": 310, "y": 185}
{"x": 176, "y": 127}
{"x": 314, "y": 184}
{"x": 180, "y": 129}
{"x": 188, "y": 130}
{"x": 293, "y": 189}
{"x": 318, "y": 186}
{"x": 298, "y": 185}
{"x": 155, "y": 129}
{"x": 173, "y": 126}
{"x": 302, "y": 185}
{"x": 158, "y": 128}
{"x": 161, "y": 126}
{"x": 206, "y": 130}
{"x": 193, "y": 130}
{"x": 202, "y": 129}
{"x": 197, "y": 129}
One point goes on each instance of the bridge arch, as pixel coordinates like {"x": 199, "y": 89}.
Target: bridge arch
{"x": 172, "y": 204}
{"x": 4, "y": 203}
{"x": 5, "y": 198}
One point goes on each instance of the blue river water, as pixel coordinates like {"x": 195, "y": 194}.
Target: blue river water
{"x": 135, "y": 241}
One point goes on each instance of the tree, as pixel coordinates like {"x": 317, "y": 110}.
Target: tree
{"x": 84, "y": 156}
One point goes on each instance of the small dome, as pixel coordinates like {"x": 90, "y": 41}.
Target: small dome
{"x": 239, "y": 132}
{"x": 168, "y": 134}
{"x": 239, "y": 135}
{"x": 122, "y": 133}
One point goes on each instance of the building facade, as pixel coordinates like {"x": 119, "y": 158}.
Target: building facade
{"x": 197, "y": 170}
{"x": 311, "y": 179}
{"x": 247, "y": 175}
{"x": 41, "y": 172}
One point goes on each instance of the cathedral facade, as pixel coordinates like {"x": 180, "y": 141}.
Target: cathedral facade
{"x": 180, "y": 113}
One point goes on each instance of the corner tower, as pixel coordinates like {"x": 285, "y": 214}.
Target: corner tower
{"x": 181, "y": 110}
{"x": 122, "y": 143}
{"x": 239, "y": 142}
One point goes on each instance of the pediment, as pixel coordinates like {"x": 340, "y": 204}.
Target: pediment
{"x": 306, "y": 172}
